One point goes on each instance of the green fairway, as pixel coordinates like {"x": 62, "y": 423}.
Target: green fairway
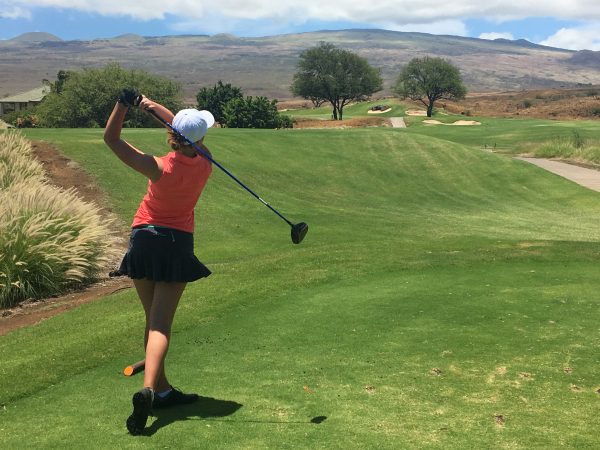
{"x": 507, "y": 135}
{"x": 360, "y": 109}
{"x": 444, "y": 297}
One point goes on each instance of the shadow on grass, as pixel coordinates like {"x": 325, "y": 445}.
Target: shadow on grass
{"x": 210, "y": 409}
{"x": 205, "y": 407}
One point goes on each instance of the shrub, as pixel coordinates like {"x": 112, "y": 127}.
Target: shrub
{"x": 214, "y": 99}
{"x": 85, "y": 99}
{"x": 284, "y": 121}
{"x": 253, "y": 112}
{"x": 50, "y": 240}
{"x": 24, "y": 118}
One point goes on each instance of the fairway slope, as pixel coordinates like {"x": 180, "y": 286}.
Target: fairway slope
{"x": 444, "y": 297}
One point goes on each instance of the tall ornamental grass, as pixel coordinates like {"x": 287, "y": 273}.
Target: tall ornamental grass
{"x": 50, "y": 240}
{"x": 574, "y": 147}
{"x": 17, "y": 162}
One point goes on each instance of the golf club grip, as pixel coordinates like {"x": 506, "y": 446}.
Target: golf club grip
{"x": 207, "y": 156}
{"x": 134, "y": 368}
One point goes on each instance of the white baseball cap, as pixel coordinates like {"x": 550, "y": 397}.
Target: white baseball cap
{"x": 193, "y": 124}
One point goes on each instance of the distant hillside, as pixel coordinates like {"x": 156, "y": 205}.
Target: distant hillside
{"x": 35, "y": 37}
{"x": 129, "y": 37}
{"x": 586, "y": 58}
{"x": 265, "y": 65}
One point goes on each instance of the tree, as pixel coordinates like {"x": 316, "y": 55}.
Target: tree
{"x": 61, "y": 77}
{"x": 85, "y": 98}
{"x": 337, "y": 76}
{"x": 254, "y": 112}
{"x": 214, "y": 99}
{"x": 428, "y": 80}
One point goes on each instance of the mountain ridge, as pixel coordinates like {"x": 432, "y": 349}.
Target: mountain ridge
{"x": 266, "y": 65}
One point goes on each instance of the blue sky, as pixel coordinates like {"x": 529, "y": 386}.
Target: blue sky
{"x": 564, "y": 23}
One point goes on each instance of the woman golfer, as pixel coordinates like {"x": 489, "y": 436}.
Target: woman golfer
{"x": 160, "y": 258}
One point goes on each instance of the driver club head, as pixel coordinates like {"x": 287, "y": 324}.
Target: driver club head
{"x": 299, "y": 230}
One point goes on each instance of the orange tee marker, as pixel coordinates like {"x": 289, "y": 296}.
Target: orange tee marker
{"x": 134, "y": 368}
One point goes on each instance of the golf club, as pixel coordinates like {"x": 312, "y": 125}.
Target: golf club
{"x": 298, "y": 231}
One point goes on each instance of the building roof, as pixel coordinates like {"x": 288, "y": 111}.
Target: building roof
{"x": 34, "y": 95}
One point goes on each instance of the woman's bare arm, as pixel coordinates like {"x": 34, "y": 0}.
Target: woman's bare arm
{"x": 164, "y": 113}
{"x": 134, "y": 158}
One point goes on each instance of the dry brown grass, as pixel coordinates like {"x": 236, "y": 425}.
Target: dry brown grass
{"x": 566, "y": 104}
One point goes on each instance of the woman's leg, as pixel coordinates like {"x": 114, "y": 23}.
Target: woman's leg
{"x": 145, "y": 289}
{"x": 159, "y": 318}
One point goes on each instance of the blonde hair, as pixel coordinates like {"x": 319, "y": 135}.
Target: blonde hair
{"x": 179, "y": 144}
{"x": 176, "y": 141}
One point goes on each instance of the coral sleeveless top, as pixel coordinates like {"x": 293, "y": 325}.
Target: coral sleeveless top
{"x": 170, "y": 201}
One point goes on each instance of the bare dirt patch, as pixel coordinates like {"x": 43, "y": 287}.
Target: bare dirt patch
{"x": 32, "y": 312}
{"x": 357, "y": 122}
{"x": 64, "y": 173}
{"x": 499, "y": 419}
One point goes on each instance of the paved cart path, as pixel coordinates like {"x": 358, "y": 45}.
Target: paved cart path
{"x": 590, "y": 178}
{"x": 398, "y": 122}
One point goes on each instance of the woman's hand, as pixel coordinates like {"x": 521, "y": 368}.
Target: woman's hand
{"x": 151, "y": 106}
{"x": 129, "y": 97}
{"x": 146, "y": 104}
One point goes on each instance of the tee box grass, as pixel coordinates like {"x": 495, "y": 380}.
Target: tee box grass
{"x": 445, "y": 297}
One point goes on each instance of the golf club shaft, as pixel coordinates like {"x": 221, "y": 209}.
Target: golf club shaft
{"x": 209, "y": 157}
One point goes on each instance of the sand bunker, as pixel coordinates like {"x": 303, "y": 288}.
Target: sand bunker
{"x": 378, "y": 112}
{"x": 466, "y": 122}
{"x": 458, "y": 122}
{"x": 415, "y": 112}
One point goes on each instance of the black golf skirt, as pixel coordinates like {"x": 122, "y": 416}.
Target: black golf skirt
{"x": 162, "y": 254}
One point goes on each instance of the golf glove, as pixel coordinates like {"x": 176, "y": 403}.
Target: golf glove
{"x": 129, "y": 97}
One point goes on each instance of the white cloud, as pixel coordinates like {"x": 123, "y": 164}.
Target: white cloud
{"x": 450, "y": 27}
{"x": 13, "y": 12}
{"x": 399, "y": 13}
{"x": 586, "y": 37}
{"x": 493, "y": 35}
{"x": 275, "y": 15}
